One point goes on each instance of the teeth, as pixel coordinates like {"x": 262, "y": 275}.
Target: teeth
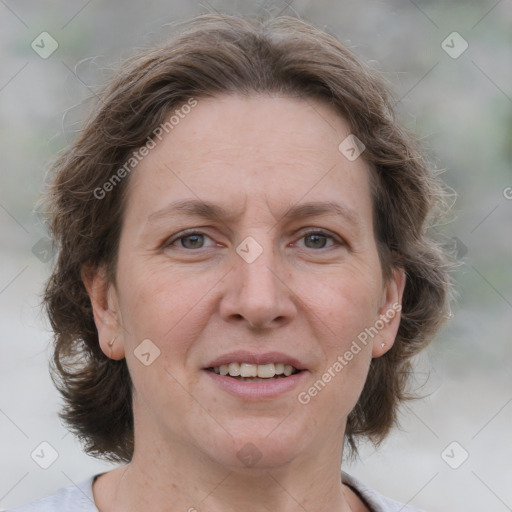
{"x": 234, "y": 369}
{"x": 248, "y": 370}
{"x": 262, "y": 371}
{"x": 266, "y": 371}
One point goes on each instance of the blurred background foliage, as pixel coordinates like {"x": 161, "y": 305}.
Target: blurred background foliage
{"x": 461, "y": 110}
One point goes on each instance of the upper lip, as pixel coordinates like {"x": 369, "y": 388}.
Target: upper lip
{"x": 244, "y": 356}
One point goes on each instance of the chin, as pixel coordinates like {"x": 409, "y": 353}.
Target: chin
{"x": 261, "y": 445}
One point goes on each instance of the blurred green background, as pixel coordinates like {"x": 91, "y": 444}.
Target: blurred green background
{"x": 461, "y": 108}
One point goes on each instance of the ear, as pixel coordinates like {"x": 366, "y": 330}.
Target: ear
{"x": 389, "y": 313}
{"x": 105, "y": 309}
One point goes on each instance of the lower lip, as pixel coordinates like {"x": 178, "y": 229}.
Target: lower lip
{"x": 257, "y": 390}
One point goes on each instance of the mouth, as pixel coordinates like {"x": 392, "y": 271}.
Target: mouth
{"x": 248, "y": 372}
{"x": 253, "y": 376}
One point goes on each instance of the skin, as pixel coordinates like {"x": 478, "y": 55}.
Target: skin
{"x": 197, "y": 299}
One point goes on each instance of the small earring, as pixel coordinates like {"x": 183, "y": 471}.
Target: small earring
{"x": 382, "y": 345}
{"x": 111, "y": 342}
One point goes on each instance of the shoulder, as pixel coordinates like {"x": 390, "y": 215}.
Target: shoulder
{"x": 76, "y": 498}
{"x": 374, "y": 500}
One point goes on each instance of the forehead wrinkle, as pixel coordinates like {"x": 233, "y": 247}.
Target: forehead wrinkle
{"x": 194, "y": 207}
{"x": 213, "y": 211}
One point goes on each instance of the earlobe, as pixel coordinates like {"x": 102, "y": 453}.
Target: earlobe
{"x": 389, "y": 313}
{"x": 105, "y": 310}
{"x": 115, "y": 349}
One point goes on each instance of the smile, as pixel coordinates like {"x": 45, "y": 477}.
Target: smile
{"x": 255, "y": 372}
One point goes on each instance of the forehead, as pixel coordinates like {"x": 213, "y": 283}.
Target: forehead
{"x": 261, "y": 149}
{"x": 259, "y": 124}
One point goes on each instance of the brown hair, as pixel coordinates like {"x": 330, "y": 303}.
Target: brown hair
{"x": 216, "y": 54}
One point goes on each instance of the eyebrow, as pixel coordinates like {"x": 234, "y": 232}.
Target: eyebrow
{"x": 212, "y": 211}
{"x": 316, "y": 209}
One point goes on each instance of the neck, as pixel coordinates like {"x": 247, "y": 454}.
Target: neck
{"x": 176, "y": 476}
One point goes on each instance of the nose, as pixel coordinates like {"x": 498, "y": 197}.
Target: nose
{"x": 258, "y": 293}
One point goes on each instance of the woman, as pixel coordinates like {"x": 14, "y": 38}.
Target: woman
{"x": 244, "y": 273}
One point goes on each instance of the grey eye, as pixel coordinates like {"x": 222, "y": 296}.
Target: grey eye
{"x": 318, "y": 241}
{"x": 194, "y": 241}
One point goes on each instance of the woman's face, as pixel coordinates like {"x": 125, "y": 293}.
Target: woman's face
{"x": 248, "y": 238}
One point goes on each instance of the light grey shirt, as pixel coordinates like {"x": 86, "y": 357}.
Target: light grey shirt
{"x": 80, "y": 499}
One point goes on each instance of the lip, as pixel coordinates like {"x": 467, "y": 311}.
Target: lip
{"x": 244, "y": 356}
{"x": 253, "y": 391}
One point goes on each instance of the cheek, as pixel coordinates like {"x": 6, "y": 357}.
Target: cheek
{"x": 158, "y": 301}
{"x": 170, "y": 308}
{"x": 166, "y": 308}
{"x": 347, "y": 304}
{"x": 343, "y": 314}
{"x": 347, "y": 349}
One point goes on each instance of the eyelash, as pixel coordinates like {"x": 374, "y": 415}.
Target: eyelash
{"x": 187, "y": 233}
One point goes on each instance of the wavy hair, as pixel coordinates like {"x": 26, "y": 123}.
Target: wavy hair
{"x": 214, "y": 54}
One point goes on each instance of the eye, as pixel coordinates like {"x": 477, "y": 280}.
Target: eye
{"x": 318, "y": 239}
{"x": 188, "y": 240}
